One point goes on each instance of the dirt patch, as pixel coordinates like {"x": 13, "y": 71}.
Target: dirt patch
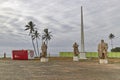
{"x": 59, "y": 69}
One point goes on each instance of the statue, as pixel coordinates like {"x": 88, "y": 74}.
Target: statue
{"x": 76, "y": 51}
{"x": 44, "y": 50}
{"x": 4, "y": 55}
{"x": 102, "y": 50}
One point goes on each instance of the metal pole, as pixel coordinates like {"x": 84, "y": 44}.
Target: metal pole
{"x": 82, "y": 54}
{"x": 82, "y": 32}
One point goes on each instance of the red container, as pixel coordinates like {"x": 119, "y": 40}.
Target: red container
{"x": 20, "y": 55}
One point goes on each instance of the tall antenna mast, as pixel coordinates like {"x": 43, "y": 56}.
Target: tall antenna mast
{"x": 82, "y": 54}
{"x": 82, "y": 32}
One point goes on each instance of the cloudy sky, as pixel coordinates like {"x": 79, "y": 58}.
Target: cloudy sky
{"x": 62, "y": 17}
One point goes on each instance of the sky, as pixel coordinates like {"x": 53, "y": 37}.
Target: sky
{"x": 63, "y": 19}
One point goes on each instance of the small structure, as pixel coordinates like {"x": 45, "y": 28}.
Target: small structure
{"x": 22, "y": 54}
{"x": 76, "y": 52}
{"x": 102, "y": 52}
{"x": 44, "y": 53}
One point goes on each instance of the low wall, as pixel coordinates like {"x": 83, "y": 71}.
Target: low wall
{"x": 90, "y": 54}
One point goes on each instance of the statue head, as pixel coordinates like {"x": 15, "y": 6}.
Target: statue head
{"x": 75, "y": 43}
{"x": 102, "y": 41}
{"x": 43, "y": 43}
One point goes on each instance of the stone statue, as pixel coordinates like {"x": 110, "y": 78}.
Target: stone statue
{"x": 44, "y": 50}
{"x": 76, "y": 51}
{"x": 102, "y": 50}
{"x": 4, "y": 55}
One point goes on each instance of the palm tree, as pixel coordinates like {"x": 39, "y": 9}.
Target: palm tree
{"x": 46, "y": 36}
{"x": 31, "y": 27}
{"x": 111, "y": 37}
{"x": 36, "y": 36}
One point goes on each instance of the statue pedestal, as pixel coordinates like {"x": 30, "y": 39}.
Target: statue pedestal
{"x": 103, "y": 61}
{"x": 75, "y": 58}
{"x": 82, "y": 55}
{"x": 43, "y": 59}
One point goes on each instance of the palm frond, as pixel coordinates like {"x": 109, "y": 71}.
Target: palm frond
{"x": 46, "y": 30}
{"x": 46, "y": 35}
{"x": 27, "y": 26}
{"x": 33, "y": 37}
{"x": 50, "y": 32}
{"x": 111, "y": 36}
{"x": 31, "y": 23}
{"x": 26, "y": 29}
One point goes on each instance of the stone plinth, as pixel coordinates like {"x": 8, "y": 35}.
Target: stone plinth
{"x": 82, "y": 55}
{"x": 103, "y": 61}
{"x": 43, "y": 59}
{"x": 75, "y": 58}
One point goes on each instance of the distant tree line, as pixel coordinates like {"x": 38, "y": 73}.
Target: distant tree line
{"x": 116, "y": 49}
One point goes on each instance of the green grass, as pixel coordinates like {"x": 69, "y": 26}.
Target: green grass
{"x": 114, "y": 54}
{"x": 66, "y": 54}
{"x": 91, "y": 54}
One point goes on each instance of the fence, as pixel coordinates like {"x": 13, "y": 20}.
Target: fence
{"x": 90, "y": 54}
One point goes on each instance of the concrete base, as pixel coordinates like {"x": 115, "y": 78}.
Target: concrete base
{"x": 44, "y": 60}
{"x": 82, "y": 55}
{"x": 103, "y": 61}
{"x": 75, "y": 58}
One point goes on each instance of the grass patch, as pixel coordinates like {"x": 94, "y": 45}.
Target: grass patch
{"x": 90, "y": 54}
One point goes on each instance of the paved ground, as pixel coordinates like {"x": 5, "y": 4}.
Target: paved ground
{"x": 58, "y": 70}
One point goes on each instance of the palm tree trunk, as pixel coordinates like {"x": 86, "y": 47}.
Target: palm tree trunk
{"x": 47, "y": 46}
{"x": 111, "y": 43}
{"x": 37, "y": 46}
{"x": 34, "y": 46}
{"x": 47, "y": 42}
{"x": 42, "y": 39}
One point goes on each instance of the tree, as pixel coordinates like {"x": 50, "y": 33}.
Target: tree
{"x": 111, "y": 37}
{"x": 31, "y": 27}
{"x": 117, "y": 49}
{"x": 46, "y": 36}
{"x": 36, "y": 36}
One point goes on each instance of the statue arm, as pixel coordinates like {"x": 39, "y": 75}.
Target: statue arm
{"x": 106, "y": 46}
{"x": 98, "y": 47}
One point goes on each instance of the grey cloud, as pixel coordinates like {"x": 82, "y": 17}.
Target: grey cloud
{"x": 101, "y": 17}
{"x": 64, "y": 27}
